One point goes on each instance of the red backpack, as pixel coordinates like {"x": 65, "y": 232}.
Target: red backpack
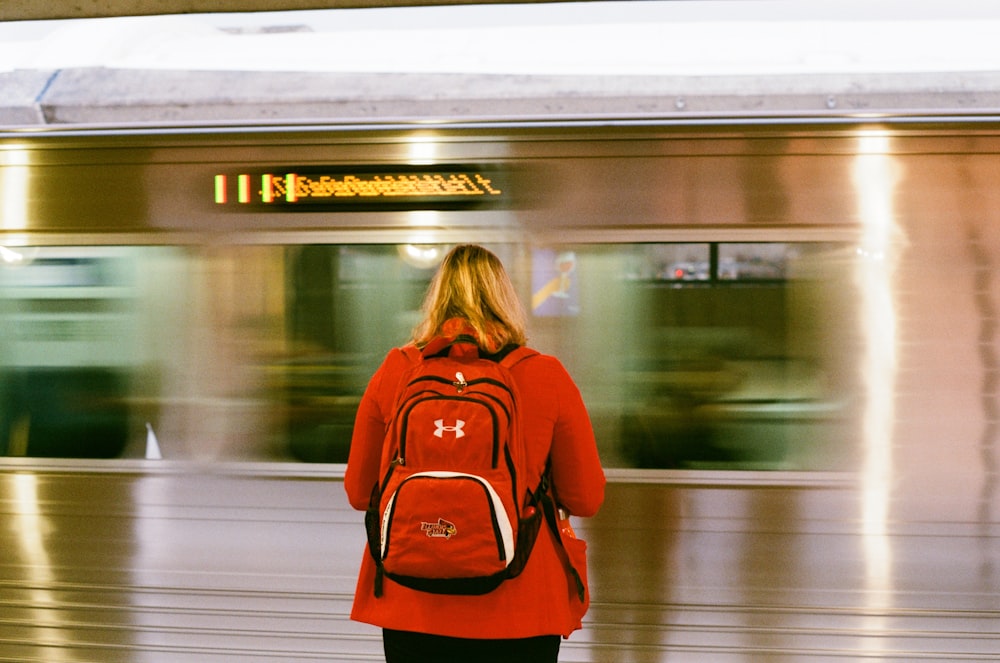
{"x": 450, "y": 514}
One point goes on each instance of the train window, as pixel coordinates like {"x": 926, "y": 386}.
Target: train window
{"x": 754, "y": 262}
{"x": 712, "y": 262}
{"x": 671, "y": 262}
{"x": 682, "y": 370}
{"x": 688, "y": 355}
{"x": 67, "y": 342}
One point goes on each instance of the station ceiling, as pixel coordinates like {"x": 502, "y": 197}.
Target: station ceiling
{"x": 27, "y": 10}
{"x": 673, "y": 58}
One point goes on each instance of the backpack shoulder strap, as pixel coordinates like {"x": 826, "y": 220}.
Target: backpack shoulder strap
{"x": 513, "y": 354}
{"x": 549, "y": 508}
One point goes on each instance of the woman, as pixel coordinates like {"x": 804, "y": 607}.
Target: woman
{"x": 523, "y": 619}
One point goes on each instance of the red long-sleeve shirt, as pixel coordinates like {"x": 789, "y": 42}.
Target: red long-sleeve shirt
{"x": 539, "y": 601}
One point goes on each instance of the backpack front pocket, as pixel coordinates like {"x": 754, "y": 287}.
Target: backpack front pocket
{"x": 445, "y": 525}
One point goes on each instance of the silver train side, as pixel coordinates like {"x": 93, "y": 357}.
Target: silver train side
{"x": 785, "y": 331}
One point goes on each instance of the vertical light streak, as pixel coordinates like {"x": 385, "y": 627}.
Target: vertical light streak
{"x": 30, "y": 525}
{"x": 14, "y": 189}
{"x": 875, "y": 180}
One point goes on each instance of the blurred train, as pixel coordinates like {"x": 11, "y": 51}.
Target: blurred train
{"x": 234, "y": 288}
{"x": 752, "y": 307}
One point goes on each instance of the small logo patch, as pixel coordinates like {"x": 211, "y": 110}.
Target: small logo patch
{"x": 456, "y": 429}
{"x": 442, "y": 529}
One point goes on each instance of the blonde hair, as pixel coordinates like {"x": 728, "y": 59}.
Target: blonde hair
{"x": 472, "y": 284}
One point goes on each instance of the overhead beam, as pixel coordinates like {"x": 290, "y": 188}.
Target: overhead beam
{"x": 130, "y": 97}
{"x": 29, "y": 10}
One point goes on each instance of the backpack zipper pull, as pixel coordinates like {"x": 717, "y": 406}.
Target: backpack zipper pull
{"x": 460, "y": 382}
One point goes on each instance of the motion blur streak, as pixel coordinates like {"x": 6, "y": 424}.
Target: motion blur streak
{"x": 32, "y": 530}
{"x": 13, "y": 189}
{"x": 875, "y": 179}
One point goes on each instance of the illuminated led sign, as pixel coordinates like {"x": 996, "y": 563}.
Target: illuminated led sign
{"x": 332, "y": 189}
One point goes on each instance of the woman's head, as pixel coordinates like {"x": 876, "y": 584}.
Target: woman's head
{"x": 472, "y": 284}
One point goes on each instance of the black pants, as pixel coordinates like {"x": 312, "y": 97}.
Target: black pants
{"x": 407, "y": 647}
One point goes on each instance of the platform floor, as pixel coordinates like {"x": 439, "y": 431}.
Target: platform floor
{"x": 184, "y": 566}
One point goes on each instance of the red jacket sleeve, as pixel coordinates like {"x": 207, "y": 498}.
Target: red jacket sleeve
{"x": 577, "y": 474}
{"x": 370, "y": 425}
{"x": 557, "y": 427}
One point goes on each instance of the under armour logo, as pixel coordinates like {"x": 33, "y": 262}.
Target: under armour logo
{"x": 456, "y": 429}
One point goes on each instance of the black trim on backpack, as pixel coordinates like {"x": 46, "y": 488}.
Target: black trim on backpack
{"x": 502, "y": 353}
{"x": 372, "y": 526}
{"x": 550, "y": 509}
{"x": 452, "y": 586}
{"x": 441, "y": 348}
